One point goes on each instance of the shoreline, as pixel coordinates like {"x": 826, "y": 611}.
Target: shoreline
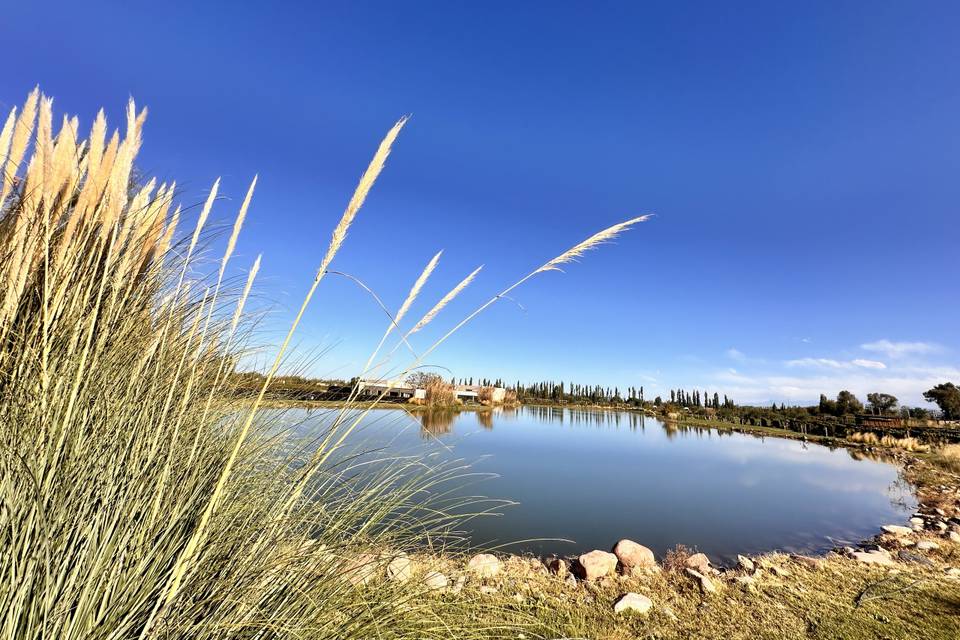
{"x": 896, "y": 584}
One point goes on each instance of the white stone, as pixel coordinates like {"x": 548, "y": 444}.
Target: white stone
{"x": 897, "y": 530}
{"x": 362, "y": 570}
{"x": 745, "y": 563}
{"x": 484, "y": 565}
{"x": 400, "y": 568}
{"x": 435, "y": 580}
{"x": 633, "y": 602}
{"x": 927, "y": 545}
{"x": 874, "y": 558}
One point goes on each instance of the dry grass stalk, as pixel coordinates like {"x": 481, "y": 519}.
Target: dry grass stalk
{"x": 444, "y": 301}
{"x": 367, "y": 180}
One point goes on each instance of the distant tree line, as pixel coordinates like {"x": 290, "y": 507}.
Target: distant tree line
{"x": 696, "y": 402}
{"x": 708, "y": 404}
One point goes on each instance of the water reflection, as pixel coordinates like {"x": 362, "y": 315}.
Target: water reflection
{"x": 597, "y": 476}
{"x": 485, "y": 418}
{"x": 436, "y": 422}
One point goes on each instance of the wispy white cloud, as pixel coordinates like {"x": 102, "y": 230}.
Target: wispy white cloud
{"x": 830, "y": 363}
{"x": 903, "y": 369}
{"x": 907, "y": 384}
{"x": 900, "y": 349}
{"x": 868, "y": 364}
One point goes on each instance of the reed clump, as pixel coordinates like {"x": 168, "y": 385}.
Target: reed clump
{"x": 905, "y": 444}
{"x": 439, "y": 393}
{"x": 948, "y": 457}
{"x": 890, "y": 442}
{"x": 136, "y": 499}
{"x": 867, "y": 437}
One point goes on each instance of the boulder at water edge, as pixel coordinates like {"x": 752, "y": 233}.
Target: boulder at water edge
{"x": 699, "y": 562}
{"x": 597, "y": 564}
{"x": 484, "y": 565}
{"x": 897, "y": 530}
{"x": 633, "y": 556}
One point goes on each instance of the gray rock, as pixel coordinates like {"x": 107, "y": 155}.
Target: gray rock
{"x": 927, "y": 545}
{"x": 633, "y": 602}
{"x": 914, "y": 558}
{"x": 746, "y": 563}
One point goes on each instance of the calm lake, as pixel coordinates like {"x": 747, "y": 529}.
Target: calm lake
{"x": 594, "y": 477}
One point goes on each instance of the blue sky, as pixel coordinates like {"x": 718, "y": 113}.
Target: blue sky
{"x": 802, "y": 161}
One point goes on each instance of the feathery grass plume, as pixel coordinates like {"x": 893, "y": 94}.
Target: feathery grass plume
{"x": 5, "y": 136}
{"x": 415, "y": 289}
{"x": 238, "y": 313}
{"x": 237, "y": 225}
{"x": 204, "y": 214}
{"x": 18, "y": 145}
{"x": 592, "y": 242}
{"x": 444, "y": 301}
{"x": 395, "y": 320}
{"x": 367, "y": 180}
{"x": 106, "y": 476}
{"x": 163, "y": 246}
{"x": 551, "y": 265}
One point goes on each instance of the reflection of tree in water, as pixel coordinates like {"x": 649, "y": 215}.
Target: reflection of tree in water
{"x": 436, "y": 423}
{"x": 485, "y": 418}
{"x": 577, "y": 416}
{"x": 872, "y": 455}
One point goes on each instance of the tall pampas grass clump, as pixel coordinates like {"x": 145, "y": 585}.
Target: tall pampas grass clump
{"x": 137, "y": 500}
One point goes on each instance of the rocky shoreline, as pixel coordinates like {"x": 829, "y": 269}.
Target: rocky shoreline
{"x": 928, "y": 542}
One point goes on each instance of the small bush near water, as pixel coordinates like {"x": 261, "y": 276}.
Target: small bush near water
{"x": 135, "y": 500}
